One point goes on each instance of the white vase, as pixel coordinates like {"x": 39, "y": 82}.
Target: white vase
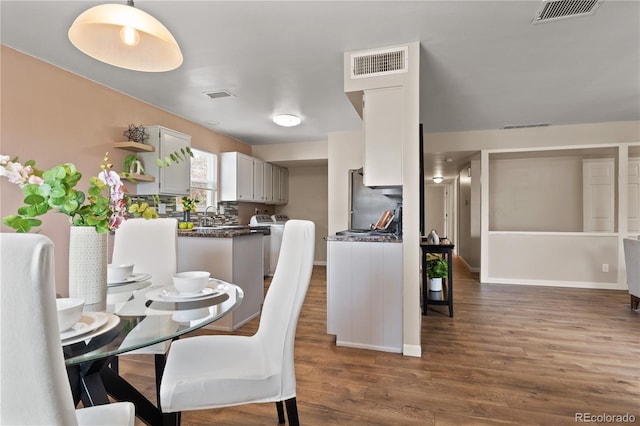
{"x": 435, "y": 284}
{"x": 88, "y": 267}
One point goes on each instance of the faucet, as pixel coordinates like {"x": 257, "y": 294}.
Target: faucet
{"x": 207, "y": 221}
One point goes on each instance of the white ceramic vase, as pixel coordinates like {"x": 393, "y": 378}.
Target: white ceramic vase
{"x": 88, "y": 267}
{"x": 435, "y": 284}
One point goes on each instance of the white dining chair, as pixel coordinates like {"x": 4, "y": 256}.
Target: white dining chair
{"x": 219, "y": 371}
{"x": 152, "y": 247}
{"x": 35, "y": 388}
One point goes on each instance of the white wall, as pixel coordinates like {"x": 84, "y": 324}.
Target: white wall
{"x": 434, "y": 209}
{"x": 345, "y": 152}
{"x": 536, "y": 194}
{"x": 308, "y": 194}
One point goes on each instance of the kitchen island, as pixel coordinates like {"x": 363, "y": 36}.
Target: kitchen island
{"x": 232, "y": 254}
{"x": 364, "y": 291}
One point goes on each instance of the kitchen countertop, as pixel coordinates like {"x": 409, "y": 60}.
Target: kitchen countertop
{"x": 365, "y": 238}
{"x": 218, "y": 232}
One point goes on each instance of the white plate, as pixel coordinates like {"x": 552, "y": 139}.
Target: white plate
{"x": 169, "y": 294}
{"x": 88, "y": 322}
{"x": 112, "y": 321}
{"x": 131, "y": 279}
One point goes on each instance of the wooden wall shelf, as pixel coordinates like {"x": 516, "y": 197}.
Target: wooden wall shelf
{"x": 134, "y": 146}
{"x": 138, "y": 178}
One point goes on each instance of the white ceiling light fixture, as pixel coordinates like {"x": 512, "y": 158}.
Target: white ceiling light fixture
{"x": 438, "y": 179}
{"x": 125, "y": 37}
{"x": 286, "y": 120}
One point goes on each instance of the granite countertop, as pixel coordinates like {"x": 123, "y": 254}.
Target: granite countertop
{"x": 218, "y": 232}
{"x": 365, "y": 238}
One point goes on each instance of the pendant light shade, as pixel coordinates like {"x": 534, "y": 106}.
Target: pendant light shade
{"x": 125, "y": 37}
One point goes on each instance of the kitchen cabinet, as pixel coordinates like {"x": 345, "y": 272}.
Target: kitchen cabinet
{"x": 364, "y": 294}
{"x": 284, "y": 185}
{"x": 244, "y": 178}
{"x": 236, "y": 177}
{"x": 276, "y": 184}
{"x": 383, "y": 136}
{"x": 268, "y": 183}
{"x": 280, "y": 185}
{"x": 170, "y": 180}
{"x": 258, "y": 181}
{"x": 237, "y": 260}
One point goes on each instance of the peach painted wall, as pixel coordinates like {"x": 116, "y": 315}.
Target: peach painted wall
{"x": 53, "y": 116}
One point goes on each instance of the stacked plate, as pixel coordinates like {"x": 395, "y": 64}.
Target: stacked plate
{"x": 91, "y": 324}
{"x": 170, "y": 294}
{"x": 135, "y": 277}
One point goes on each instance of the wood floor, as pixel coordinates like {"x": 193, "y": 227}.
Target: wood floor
{"x": 515, "y": 355}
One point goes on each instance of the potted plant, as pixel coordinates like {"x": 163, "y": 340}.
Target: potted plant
{"x": 437, "y": 269}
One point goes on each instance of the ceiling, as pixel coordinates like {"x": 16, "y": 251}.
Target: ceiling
{"x": 483, "y": 64}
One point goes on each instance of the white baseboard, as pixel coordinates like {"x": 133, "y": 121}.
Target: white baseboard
{"x": 367, "y": 346}
{"x": 469, "y": 267}
{"x": 412, "y": 350}
{"x": 320, "y": 262}
{"x": 549, "y": 283}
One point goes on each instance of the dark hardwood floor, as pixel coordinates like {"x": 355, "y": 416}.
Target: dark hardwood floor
{"x": 515, "y": 355}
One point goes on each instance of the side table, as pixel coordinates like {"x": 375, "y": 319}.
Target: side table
{"x": 444, "y": 297}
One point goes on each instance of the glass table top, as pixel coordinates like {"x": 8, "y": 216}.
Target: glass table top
{"x": 141, "y": 314}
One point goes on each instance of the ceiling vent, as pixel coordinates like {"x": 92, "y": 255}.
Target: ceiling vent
{"x": 219, "y": 94}
{"x": 379, "y": 62}
{"x": 524, "y": 126}
{"x": 553, "y": 10}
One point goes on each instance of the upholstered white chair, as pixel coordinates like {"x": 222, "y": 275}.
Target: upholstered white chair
{"x": 152, "y": 247}
{"x": 35, "y": 388}
{"x": 632, "y": 264}
{"x": 219, "y": 371}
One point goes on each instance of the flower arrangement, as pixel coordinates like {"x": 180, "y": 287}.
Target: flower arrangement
{"x": 104, "y": 207}
{"x": 189, "y": 204}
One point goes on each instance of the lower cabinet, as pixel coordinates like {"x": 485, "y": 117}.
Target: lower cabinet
{"x": 364, "y": 294}
{"x": 237, "y": 260}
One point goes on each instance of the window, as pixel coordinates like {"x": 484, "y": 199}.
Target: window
{"x": 204, "y": 186}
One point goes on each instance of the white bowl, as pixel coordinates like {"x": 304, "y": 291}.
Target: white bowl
{"x": 69, "y": 312}
{"x": 118, "y": 273}
{"x": 191, "y": 282}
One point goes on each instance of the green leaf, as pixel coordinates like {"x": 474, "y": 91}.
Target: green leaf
{"x": 159, "y": 162}
{"x": 34, "y": 199}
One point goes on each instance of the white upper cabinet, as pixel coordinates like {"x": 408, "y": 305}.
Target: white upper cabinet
{"x": 248, "y": 179}
{"x": 267, "y": 183}
{"x": 284, "y": 185}
{"x": 258, "y": 181}
{"x": 236, "y": 177}
{"x": 170, "y": 180}
{"x": 383, "y": 136}
{"x": 276, "y": 184}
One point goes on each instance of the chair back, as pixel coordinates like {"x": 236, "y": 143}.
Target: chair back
{"x": 34, "y": 389}
{"x": 284, "y": 300}
{"x": 632, "y": 264}
{"x": 151, "y": 245}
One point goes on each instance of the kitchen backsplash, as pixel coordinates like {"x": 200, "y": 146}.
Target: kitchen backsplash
{"x": 229, "y": 217}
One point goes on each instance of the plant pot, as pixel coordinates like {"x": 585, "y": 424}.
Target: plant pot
{"x": 435, "y": 284}
{"x": 88, "y": 267}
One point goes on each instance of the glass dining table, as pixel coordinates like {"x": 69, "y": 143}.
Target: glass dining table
{"x": 138, "y": 314}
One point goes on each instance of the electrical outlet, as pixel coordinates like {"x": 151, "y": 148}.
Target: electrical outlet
{"x": 162, "y": 208}
{"x": 257, "y": 211}
{"x": 605, "y": 267}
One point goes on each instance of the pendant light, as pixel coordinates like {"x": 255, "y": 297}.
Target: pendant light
{"x": 125, "y": 37}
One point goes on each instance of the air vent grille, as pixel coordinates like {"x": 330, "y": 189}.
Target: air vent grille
{"x": 379, "y": 62}
{"x": 553, "y": 10}
{"x": 219, "y": 94}
{"x": 524, "y": 126}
